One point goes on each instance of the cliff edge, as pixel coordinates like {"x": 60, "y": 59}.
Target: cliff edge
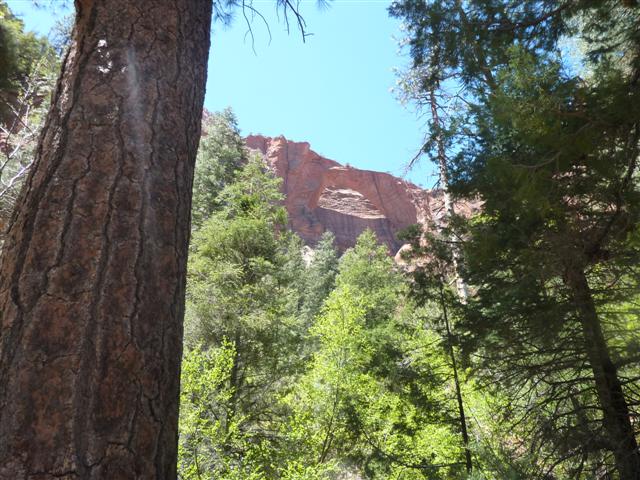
{"x": 322, "y": 194}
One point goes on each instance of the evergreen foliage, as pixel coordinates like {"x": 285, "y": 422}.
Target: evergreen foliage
{"x": 321, "y": 275}
{"x": 242, "y": 298}
{"x": 220, "y": 155}
{"x": 372, "y": 401}
{"x": 550, "y": 147}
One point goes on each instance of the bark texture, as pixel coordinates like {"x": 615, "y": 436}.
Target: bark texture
{"x": 615, "y": 411}
{"x": 92, "y": 276}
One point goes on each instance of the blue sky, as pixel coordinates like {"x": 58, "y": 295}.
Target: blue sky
{"x": 333, "y": 90}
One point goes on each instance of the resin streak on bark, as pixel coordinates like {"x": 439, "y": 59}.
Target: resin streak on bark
{"x": 93, "y": 270}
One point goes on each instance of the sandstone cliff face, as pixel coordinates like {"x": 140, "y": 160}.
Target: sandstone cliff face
{"x": 323, "y": 195}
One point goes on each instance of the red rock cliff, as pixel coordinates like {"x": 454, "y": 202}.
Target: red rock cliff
{"x": 323, "y": 195}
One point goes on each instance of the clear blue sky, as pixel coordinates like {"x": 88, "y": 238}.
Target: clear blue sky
{"x": 332, "y": 90}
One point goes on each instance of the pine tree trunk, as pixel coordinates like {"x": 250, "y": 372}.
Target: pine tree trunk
{"x": 92, "y": 276}
{"x": 461, "y": 285}
{"x": 449, "y": 209}
{"x": 617, "y": 421}
{"x": 456, "y": 382}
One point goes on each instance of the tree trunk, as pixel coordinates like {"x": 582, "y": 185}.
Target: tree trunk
{"x": 449, "y": 209}
{"x": 461, "y": 285}
{"x": 456, "y": 381}
{"x": 92, "y": 276}
{"x": 617, "y": 421}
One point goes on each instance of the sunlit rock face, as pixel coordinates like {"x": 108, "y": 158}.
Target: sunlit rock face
{"x": 323, "y": 195}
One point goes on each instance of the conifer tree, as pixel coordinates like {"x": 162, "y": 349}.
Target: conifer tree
{"x": 321, "y": 275}
{"x": 221, "y": 154}
{"x": 244, "y": 331}
{"x": 553, "y": 155}
{"x": 372, "y": 402}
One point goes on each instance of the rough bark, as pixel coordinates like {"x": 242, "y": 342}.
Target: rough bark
{"x": 92, "y": 276}
{"x": 615, "y": 411}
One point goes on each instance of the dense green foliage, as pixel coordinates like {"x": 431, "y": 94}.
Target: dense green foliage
{"x": 242, "y": 306}
{"x": 548, "y": 140}
{"x": 320, "y": 276}
{"x": 303, "y": 370}
{"x": 353, "y": 368}
{"x": 220, "y": 155}
{"x": 372, "y": 400}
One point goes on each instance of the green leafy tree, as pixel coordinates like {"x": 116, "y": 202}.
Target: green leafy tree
{"x": 435, "y": 262}
{"x": 221, "y": 154}
{"x": 321, "y": 274}
{"x": 372, "y": 401}
{"x": 205, "y": 391}
{"x": 551, "y": 149}
{"x": 242, "y": 293}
